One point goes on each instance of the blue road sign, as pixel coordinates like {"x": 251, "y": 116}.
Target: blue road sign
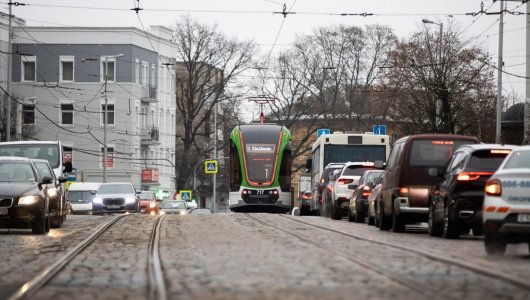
{"x": 380, "y": 129}
{"x": 323, "y": 131}
{"x": 210, "y": 166}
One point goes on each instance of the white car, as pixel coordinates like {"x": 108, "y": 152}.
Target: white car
{"x": 506, "y": 209}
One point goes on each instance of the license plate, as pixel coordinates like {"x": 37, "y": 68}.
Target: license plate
{"x": 523, "y": 218}
{"x": 3, "y": 211}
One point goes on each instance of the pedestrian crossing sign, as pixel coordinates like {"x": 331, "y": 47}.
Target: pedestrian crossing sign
{"x": 185, "y": 195}
{"x": 210, "y": 166}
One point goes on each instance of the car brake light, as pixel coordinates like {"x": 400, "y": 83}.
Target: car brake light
{"x": 493, "y": 187}
{"x": 471, "y": 176}
{"x": 345, "y": 181}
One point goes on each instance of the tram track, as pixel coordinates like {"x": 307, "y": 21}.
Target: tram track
{"x": 524, "y": 284}
{"x": 424, "y": 290}
{"x": 155, "y": 284}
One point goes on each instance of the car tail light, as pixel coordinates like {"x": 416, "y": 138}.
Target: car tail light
{"x": 404, "y": 191}
{"x": 345, "y": 181}
{"x": 471, "y": 176}
{"x": 493, "y": 187}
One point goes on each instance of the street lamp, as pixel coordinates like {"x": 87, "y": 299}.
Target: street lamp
{"x": 105, "y": 116}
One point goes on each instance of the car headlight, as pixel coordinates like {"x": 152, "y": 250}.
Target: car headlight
{"x": 97, "y": 200}
{"x": 130, "y": 200}
{"x": 52, "y": 192}
{"x": 28, "y": 200}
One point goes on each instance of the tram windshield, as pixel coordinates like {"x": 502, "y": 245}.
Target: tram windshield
{"x": 260, "y": 150}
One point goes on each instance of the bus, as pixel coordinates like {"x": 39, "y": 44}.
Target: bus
{"x": 338, "y": 148}
{"x": 260, "y": 169}
{"x": 53, "y": 152}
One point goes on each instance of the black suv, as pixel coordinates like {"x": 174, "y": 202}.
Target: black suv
{"x": 456, "y": 202}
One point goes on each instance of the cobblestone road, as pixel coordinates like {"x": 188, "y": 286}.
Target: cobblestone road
{"x": 232, "y": 256}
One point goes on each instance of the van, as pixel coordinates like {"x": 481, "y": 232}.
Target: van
{"x": 413, "y": 167}
{"x": 80, "y": 196}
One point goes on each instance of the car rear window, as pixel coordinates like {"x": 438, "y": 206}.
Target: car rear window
{"x": 433, "y": 153}
{"x": 355, "y": 170}
{"x": 519, "y": 159}
{"x": 488, "y": 160}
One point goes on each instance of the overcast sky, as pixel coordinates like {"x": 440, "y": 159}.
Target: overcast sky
{"x": 255, "y": 19}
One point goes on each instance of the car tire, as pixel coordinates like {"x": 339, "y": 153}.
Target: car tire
{"x": 351, "y": 218}
{"x": 335, "y": 214}
{"x": 494, "y": 244}
{"x": 384, "y": 221}
{"x": 39, "y": 225}
{"x": 434, "y": 228}
{"x": 451, "y": 228}
{"x": 398, "y": 225}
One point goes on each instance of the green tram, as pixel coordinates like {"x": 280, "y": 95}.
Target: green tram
{"x": 260, "y": 169}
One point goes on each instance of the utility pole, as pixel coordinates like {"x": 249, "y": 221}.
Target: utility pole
{"x": 9, "y": 62}
{"x": 498, "y": 137}
{"x": 526, "y": 138}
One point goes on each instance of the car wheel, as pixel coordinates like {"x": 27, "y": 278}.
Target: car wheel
{"x": 335, "y": 214}
{"x": 39, "y": 225}
{"x": 384, "y": 221}
{"x": 434, "y": 228}
{"x": 398, "y": 225}
{"x": 351, "y": 218}
{"x": 451, "y": 228}
{"x": 478, "y": 229}
{"x": 494, "y": 244}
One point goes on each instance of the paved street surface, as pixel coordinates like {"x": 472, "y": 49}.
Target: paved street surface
{"x": 260, "y": 256}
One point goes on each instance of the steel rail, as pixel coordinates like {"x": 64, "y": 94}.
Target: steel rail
{"x": 30, "y": 287}
{"x": 525, "y": 284}
{"x": 411, "y": 284}
{"x": 157, "y": 286}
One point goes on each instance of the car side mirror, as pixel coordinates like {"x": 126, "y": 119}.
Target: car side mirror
{"x": 62, "y": 179}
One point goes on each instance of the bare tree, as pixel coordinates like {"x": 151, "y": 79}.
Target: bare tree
{"x": 207, "y": 62}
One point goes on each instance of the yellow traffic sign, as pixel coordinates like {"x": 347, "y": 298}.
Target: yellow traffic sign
{"x": 210, "y": 166}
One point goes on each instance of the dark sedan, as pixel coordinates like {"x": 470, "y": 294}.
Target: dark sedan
{"x": 23, "y": 197}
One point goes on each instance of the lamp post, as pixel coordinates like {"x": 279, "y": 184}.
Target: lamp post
{"x": 440, "y": 38}
{"x": 105, "y": 116}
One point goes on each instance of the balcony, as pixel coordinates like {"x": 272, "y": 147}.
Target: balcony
{"x": 150, "y": 137}
{"x": 149, "y": 94}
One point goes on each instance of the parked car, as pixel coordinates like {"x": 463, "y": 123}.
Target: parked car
{"x": 148, "y": 202}
{"x": 456, "y": 205}
{"x": 374, "y": 200}
{"x": 506, "y": 209}
{"x": 200, "y": 211}
{"x": 115, "y": 197}
{"x": 80, "y": 195}
{"x": 407, "y": 180}
{"x": 337, "y": 206}
{"x": 24, "y": 200}
{"x": 358, "y": 206}
{"x": 317, "y": 190}
{"x": 58, "y": 208}
{"x": 170, "y": 206}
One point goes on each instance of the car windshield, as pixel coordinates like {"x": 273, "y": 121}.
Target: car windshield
{"x": 519, "y": 159}
{"x": 144, "y": 195}
{"x": 174, "y": 204}
{"x": 79, "y": 196}
{"x": 116, "y": 189}
{"x": 16, "y": 172}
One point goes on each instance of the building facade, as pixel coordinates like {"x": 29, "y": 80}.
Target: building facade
{"x": 65, "y": 78}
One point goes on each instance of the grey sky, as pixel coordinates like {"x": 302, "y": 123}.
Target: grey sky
{"x": 254, "y": 19}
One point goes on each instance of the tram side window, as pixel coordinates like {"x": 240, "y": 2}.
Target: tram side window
{"x": 235, "y": 169}
{"x": 285, "y": 171}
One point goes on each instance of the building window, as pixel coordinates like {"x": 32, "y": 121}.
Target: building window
{"x": 67, "y": 112}
{"x": 66, "y": 70}
{"x": 110, "y": 157}
{"x": 111, "y": 63}
{"x": 28, "y": 112}
{"x": 110, "y": 112}
{"x": 29, "y": 69}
